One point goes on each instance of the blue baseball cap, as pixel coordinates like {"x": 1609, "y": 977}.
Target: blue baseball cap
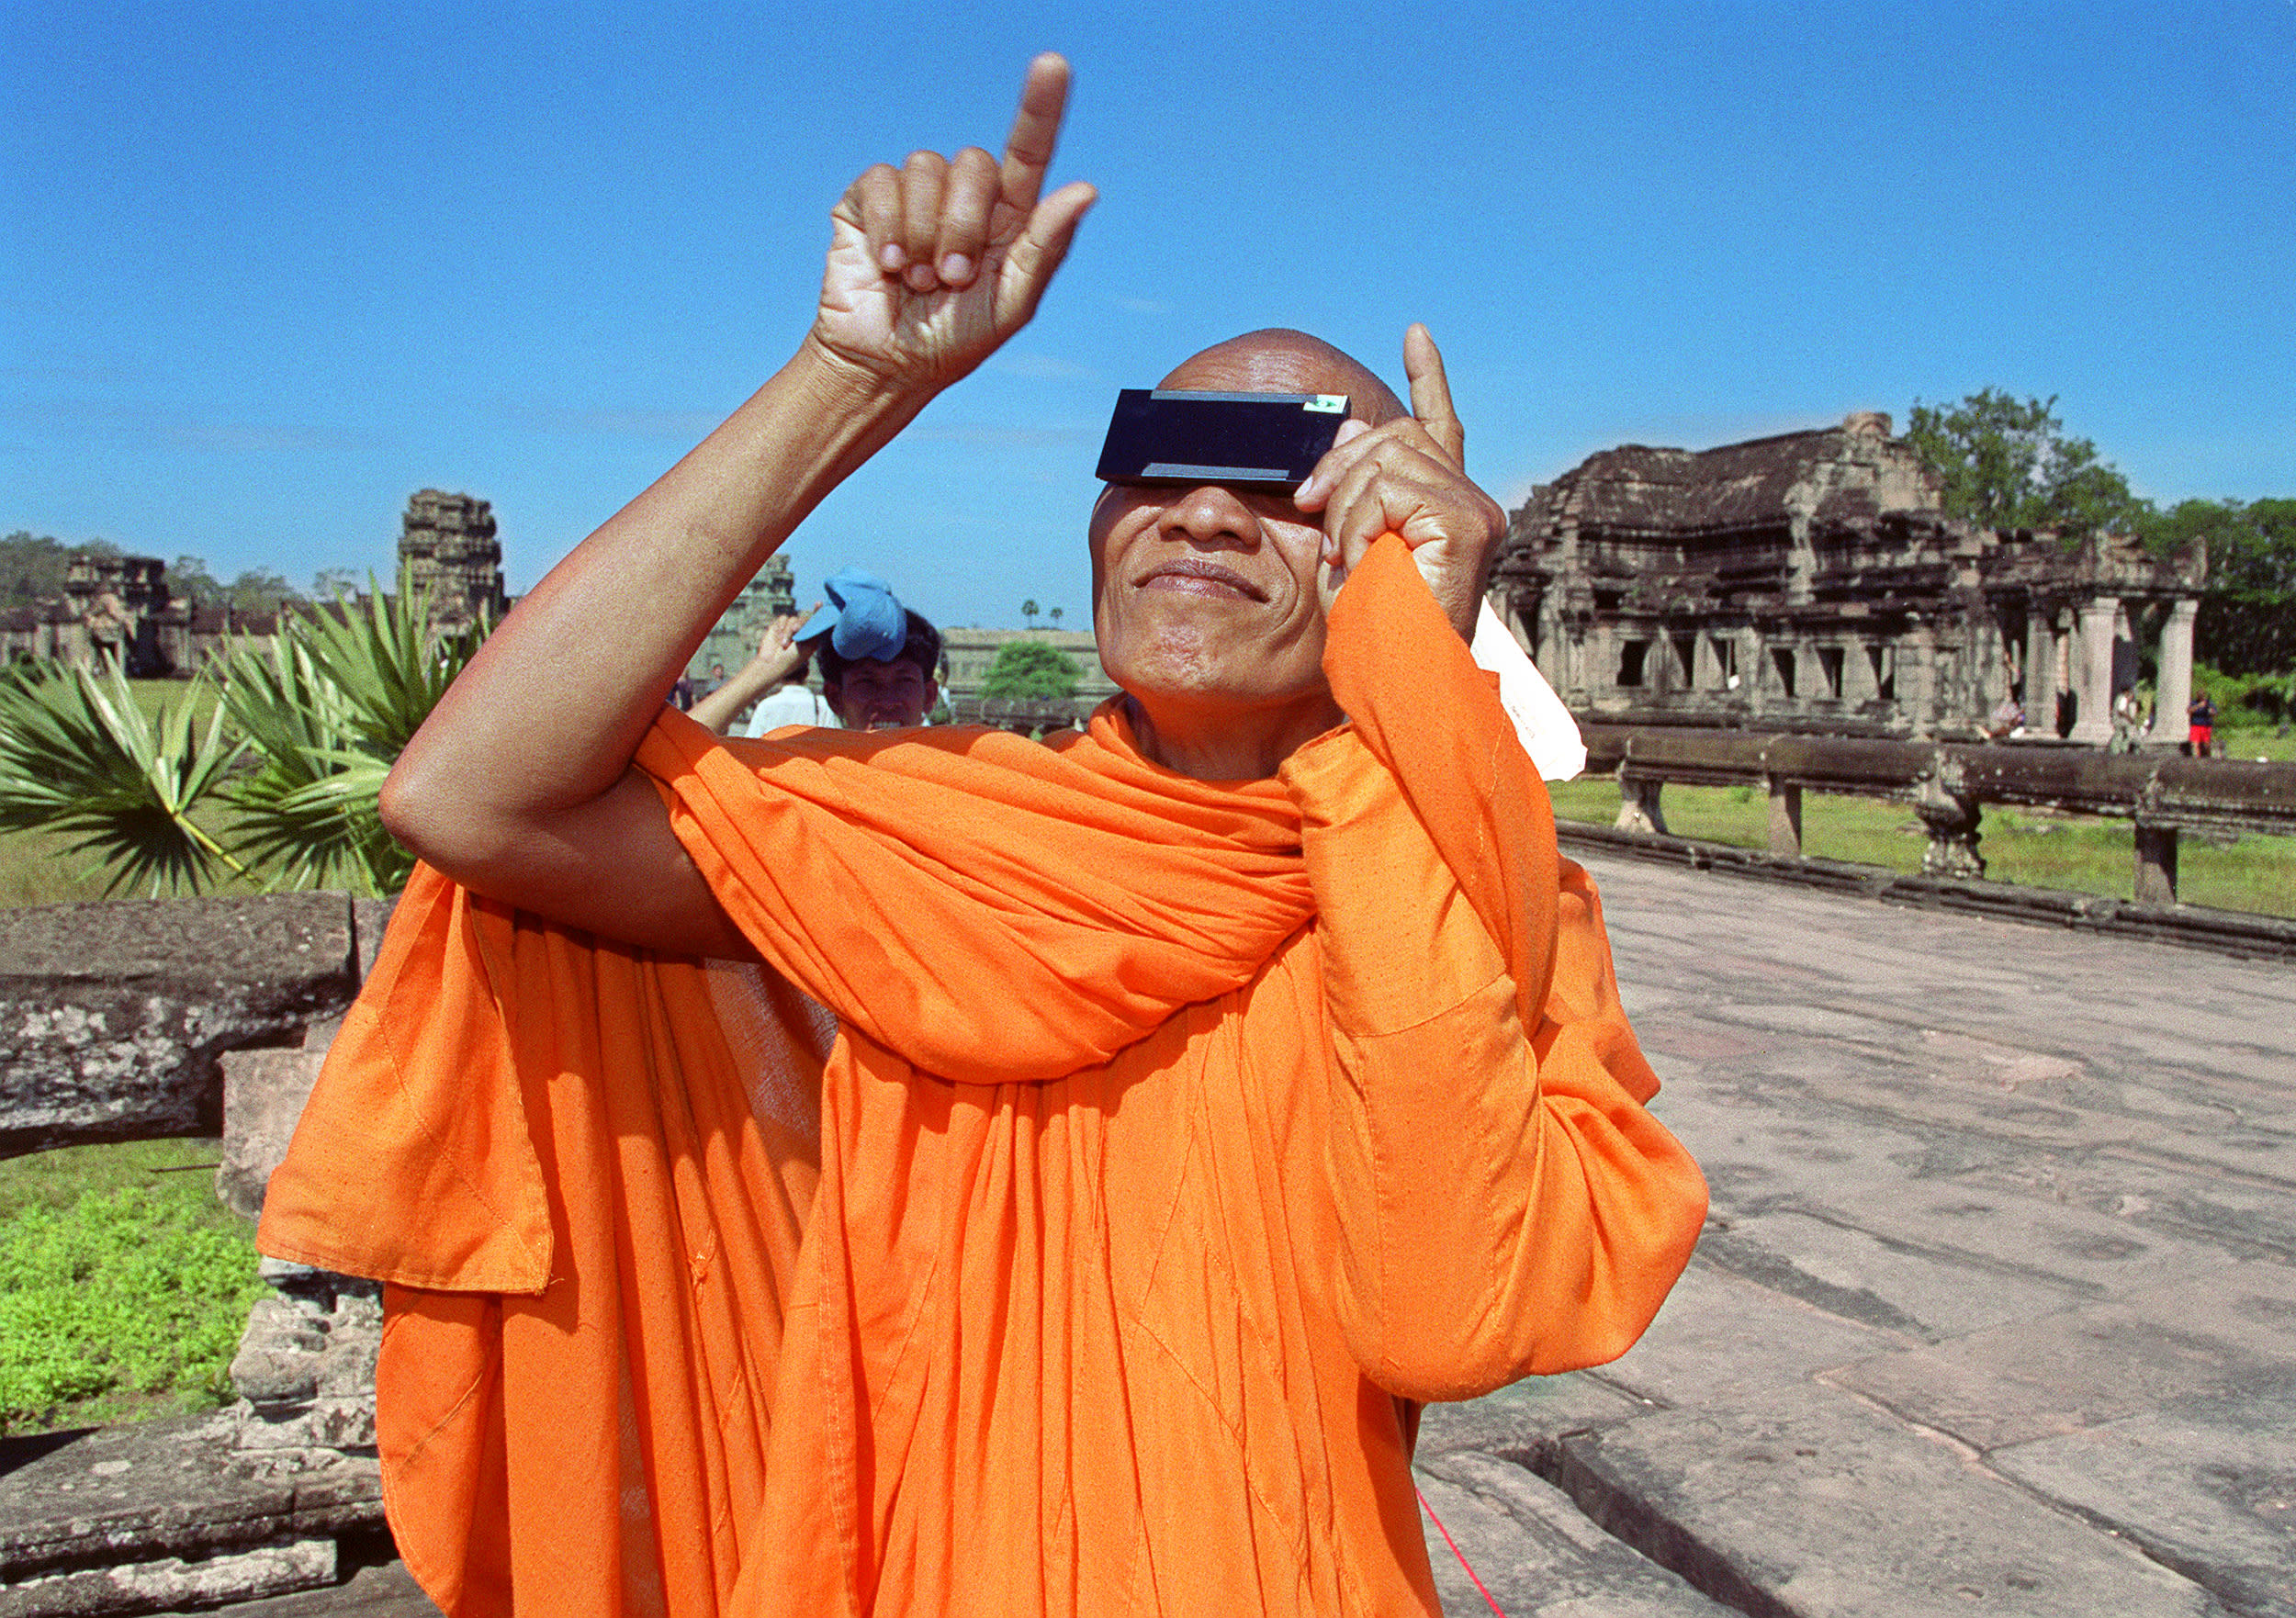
{"x": 869, "y": 621}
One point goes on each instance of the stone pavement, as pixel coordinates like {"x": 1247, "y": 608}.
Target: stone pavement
{"x": 1994, "y": 1312}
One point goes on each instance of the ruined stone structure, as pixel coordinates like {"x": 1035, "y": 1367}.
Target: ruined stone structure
{"x": 113, "y": 609}
{"x": 972, "y": 652}
{"x": 447, "y": 547}
{"x": 1811, "y": 581}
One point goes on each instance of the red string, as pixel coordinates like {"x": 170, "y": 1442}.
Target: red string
{"x": 1455, "y": 1550}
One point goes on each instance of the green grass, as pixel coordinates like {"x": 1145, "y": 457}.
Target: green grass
{"x": 151, "y": 695}
{"x": 40, "y": 868}
{"x": 2256, "y": 742}
{"x": 123, "y": 1285}
{"x": 2080, "y": 854}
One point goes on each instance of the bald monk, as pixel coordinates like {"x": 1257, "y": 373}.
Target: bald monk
{"x": 929, "y": 1172}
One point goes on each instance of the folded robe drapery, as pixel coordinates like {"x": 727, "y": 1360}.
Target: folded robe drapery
{"x": 1080, "y": 1278}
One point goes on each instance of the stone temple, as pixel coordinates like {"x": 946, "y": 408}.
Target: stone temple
{"x": 1811, "y": 581}
{"x": 447, "y": 547}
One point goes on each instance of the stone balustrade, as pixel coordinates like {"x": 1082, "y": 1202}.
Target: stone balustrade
{"x": 140, "y": 1020}
{"x": 1948, "y": 785}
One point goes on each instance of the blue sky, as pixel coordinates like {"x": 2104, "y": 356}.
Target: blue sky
{"x": 269, "y": 269}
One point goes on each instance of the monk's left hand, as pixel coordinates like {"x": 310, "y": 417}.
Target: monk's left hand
{"x": 1408, "y": 478}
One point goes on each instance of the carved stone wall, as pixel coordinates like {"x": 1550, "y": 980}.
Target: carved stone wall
{"x": 1812, "y": 582}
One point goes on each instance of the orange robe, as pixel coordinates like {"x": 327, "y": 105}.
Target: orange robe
{"x": 1174, "y": 1137}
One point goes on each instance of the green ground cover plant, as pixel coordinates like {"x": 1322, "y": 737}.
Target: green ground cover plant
{"x": 2080, "y": 854}
{"x": 124, "y": 1286}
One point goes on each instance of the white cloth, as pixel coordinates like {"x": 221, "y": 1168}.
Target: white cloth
{"x": 792, "y": 705}
{"x": 1549, "y": 735}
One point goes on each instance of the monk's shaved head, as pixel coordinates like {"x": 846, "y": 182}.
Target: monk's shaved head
{"x": 1279, "y": 359}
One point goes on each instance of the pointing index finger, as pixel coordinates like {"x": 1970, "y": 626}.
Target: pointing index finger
{"x": 1035, "y": 131}
{"x": 1431, "y": 392}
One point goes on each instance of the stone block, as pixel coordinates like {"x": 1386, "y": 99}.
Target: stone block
{"x": 263, "y": 1095}
{"x": 1719, "y": 1337}
{"x": 169, "y": 1582}
{"x": 113, "y": 1016}
{"x": 1534, "y": 1550}
{"x": 174, "y": 1489}
{"x": 1796, "y": 1502}
{"x": 2224, "y": 1337}
{"x": 2210, "y": 1492}
{"x": 1526, "y": 1418}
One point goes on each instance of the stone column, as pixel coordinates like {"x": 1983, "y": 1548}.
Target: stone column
{"x": 1917, "y": 679}
{"x": 2092, "y": 723}
{"x": 2041, "y": 673}
{"x": 2173, "y": 691}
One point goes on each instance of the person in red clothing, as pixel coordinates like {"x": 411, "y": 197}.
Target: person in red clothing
{"x": 2200, "y": 722}
{"x": 1200, "y": 1093}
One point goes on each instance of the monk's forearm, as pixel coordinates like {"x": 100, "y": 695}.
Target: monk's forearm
{"x": 549, "y": 714}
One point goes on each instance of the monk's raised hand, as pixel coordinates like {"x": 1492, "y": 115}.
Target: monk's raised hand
{"x": 934, "y": 264}
{"x": 1408, "y": 478}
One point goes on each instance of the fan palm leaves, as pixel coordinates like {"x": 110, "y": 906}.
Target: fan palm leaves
{"x": 306, "y": 726}
{"x": 78, "y": 757}
{"x": 326, "y": 707}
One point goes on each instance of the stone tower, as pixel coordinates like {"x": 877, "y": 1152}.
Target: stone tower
{"x": 449, "y": 547}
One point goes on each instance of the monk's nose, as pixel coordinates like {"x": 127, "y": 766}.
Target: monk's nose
{"x": 1211, "y": 516}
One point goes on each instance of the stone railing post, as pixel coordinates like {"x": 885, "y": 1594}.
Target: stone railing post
{"x": 1638, "y": 807}
{"x": 1950, "y": 815}
{"x": 1785, "y": 817}
{"x": 2155, "y": 881}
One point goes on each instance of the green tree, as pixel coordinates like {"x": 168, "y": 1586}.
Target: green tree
{"x": 1029, "y": 609}
{"x": 260, "y": 590}
{"x": 188, "y": 576}
{"x": 1055, "y": 616}
{"x": 1030, "y": 671}
{"x": 2247, "y": 621}
{"x": 2006, "y": 464}
{"x": 32, "y": 568}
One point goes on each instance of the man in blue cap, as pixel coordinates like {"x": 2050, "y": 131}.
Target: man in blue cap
{"x": 880, "y": 666}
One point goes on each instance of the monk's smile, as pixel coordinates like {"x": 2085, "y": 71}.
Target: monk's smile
{"x": 1199, "y": 576}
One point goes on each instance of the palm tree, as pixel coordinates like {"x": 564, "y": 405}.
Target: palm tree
{"x": 1055, "y": 616}
{"x": 1029, "y": 611}
{"x": 303, "y": 732}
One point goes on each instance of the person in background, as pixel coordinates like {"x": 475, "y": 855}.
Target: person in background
{"x": 2200, "y": 719}
{"x": 880, "y": 666}
{"x": 2128, "y": 721}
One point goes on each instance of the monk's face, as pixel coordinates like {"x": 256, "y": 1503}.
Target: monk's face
{"x": 1208, "y": 598}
